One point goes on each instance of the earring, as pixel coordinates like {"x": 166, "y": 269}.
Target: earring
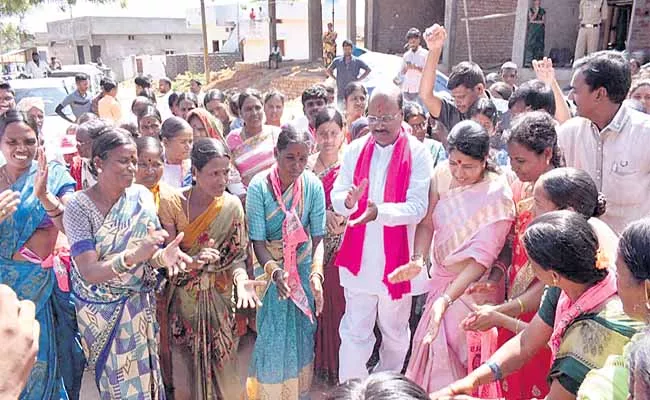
{"x": 555, "y": 281}
{"x": 647, "y": 297}
{"x": 99, "y": 170}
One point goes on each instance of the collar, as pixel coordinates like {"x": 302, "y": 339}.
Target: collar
{"x": 618, "y": 122}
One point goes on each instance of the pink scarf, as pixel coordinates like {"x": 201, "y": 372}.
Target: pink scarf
{"x": 396, "y": 246}
{"x": 566, "y": 313}
{"x": 293, "y": 234}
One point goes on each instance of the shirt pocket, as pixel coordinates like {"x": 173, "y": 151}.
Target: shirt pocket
{"x": 627, "y": 184}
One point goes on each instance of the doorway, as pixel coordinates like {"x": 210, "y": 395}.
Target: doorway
{"x": 80, "y": 55}
{"x": 95, "y": 53}
{"x": 617, "y": 25}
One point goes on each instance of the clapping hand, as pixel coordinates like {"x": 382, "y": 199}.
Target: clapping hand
{"x": 40, "y": 180}
{"x": 481, "y": 319}
{"x": 355, "y": 193}
{"x": 208, "y": 255}
{"x": 406, "y": 272}
{"x": 369, "y": 215}
{"x": 435, "y": 36}
{"x": 9, "y": 202}
{"x": 174, "y": 258}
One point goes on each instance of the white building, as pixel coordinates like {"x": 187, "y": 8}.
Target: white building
{"x": 230, "y": 24}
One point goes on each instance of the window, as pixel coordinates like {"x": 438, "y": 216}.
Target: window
{"x": 168, "y": 37}
{"x": 131, "y": 37}
{"x": 169, "y": 52}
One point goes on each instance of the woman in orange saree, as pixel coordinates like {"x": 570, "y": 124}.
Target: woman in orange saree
{"x": 201, "y": 309}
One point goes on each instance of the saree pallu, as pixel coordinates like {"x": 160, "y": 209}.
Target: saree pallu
{"x": 59, "y": 362}
{"x": 328, "y": 341}
{"x": 252, "y": 155}
{"x": 281, "y": 366}
{"x": 530, "y": 380}
{"x": 202, "y": 318}
{"x": 117, "y": 319}
{"x": 589, "y": 342}
{"x": 470, "y": 224}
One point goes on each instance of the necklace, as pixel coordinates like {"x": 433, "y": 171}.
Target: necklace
{"x": 325, "y": 167}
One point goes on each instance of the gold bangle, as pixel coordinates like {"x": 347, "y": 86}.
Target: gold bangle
{"x": 237, "y": 275}
{"x": 157, "y": 259}
{"x": 271, "y": 266}
{"x": 522, "y": 309}
{"x": 118, "y": 266}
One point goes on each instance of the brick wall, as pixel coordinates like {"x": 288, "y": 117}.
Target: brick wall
{"x": 179, "y": 63}
{"x": 640, "y": 35}
{"x": 292, "y": 87}
{"x": 491, "y": 39}
{"x": 393, "y": 18}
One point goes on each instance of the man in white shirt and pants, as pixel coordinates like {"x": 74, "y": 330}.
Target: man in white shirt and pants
{"x": 385, "y": 205}
{"x": 37, "y": 68}
{"x": 412, "y": 66}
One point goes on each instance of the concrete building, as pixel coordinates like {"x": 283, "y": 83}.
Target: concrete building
{"x": 128, "y": 45}
{"x": 229, "y": 26}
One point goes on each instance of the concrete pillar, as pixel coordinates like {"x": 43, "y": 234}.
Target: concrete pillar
{"x": 273, "y": 25}
{"x": 519, "y": 37}
{"x": 370, "y": 25}
{"x": 352, "y": 21}
{"x": 315, "y": 28}
{"x": 448, "y": 54}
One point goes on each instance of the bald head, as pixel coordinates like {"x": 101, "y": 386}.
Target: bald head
{"x": 385, "y": 114}
{"x": 390, "y": 93}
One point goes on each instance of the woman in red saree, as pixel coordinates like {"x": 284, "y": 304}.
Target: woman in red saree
{"x": 326, "y": 164}
{"x": 533, "y": 150}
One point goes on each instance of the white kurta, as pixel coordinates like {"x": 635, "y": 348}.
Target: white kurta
{"x": 410, "y": 213}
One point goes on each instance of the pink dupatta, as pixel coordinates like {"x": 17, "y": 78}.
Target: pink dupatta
{"x": 293, "y": 234}
{"x": 396, "y": 246}
{"x": 566, "y": 312}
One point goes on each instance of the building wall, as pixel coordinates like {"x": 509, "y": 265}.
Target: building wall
{"x": 640, "y": 34}
{"x": 491, "y": 39}
{"x": 180, "y": 63}
{"x": 391, "y": 19}
{"x": 562, "y": 24}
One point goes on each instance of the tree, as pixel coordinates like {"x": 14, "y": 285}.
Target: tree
{"x": 12, "y": 37}
{"x": 18, "y": 7}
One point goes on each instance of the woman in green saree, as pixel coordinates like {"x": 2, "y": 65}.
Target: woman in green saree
{"x": 536, "y": 33}
{"x": 581, "y": 317}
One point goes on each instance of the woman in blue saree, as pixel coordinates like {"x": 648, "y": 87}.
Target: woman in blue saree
{"x": 285, "y": 208}
{"x": 115, "y": 240}
{"x": 29, "y": 237}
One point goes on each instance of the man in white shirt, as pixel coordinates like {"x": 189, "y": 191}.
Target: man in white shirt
{"x": 609, "y": 140}
{"x": 412, "y": 66}
{"x": 165, "y": 89}
{"x": 37, "y": 68}
{"x": 385, "y": 204}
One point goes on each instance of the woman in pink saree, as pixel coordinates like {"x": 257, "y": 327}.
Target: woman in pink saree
{"x": 470, "y": 214}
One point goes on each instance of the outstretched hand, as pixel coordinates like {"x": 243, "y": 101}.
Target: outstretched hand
{"x": 247, "y": 295}
{"x": 544, "y": 70}
{"x": 174, "y": 258}
{"x": 355, "y": 193}
{"x": 406, "y": 272}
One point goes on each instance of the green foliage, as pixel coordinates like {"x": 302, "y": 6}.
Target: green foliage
{"x": 12, "y": 37}
{"x": 182, "y": 81}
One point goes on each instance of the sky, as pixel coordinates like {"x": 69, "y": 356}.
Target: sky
{"x": 36, "y": 19}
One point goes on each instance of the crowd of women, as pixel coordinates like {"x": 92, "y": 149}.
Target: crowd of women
{"x": 153, "y": 251}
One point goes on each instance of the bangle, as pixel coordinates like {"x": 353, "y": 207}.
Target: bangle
{"x": 448, "y": 299}
{"x": 517, "y": 326}
{"x": 522, "y": 309}
{"x": 57, "y": 215}
{"x": 237, "y": 275}
{"x": 272, "y": 274}
{"x": 417, "y": 257}
{"x": 157, "y": 259}
{"x": 317, "y": 274}
{"x": 118, "y": 266}
{"x": 56, "y": 207}
{"x": 496, "y": 370}
{"x": 270, "y": 266}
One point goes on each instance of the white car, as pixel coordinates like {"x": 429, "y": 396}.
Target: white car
{"x": 52, "y": 91}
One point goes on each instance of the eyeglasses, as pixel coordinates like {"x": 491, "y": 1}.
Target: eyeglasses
{"x": 384, "y": 119}
{"x": 421, "y": 125}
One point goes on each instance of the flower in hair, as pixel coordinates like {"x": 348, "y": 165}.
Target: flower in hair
{"x": 602, "y": 260}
